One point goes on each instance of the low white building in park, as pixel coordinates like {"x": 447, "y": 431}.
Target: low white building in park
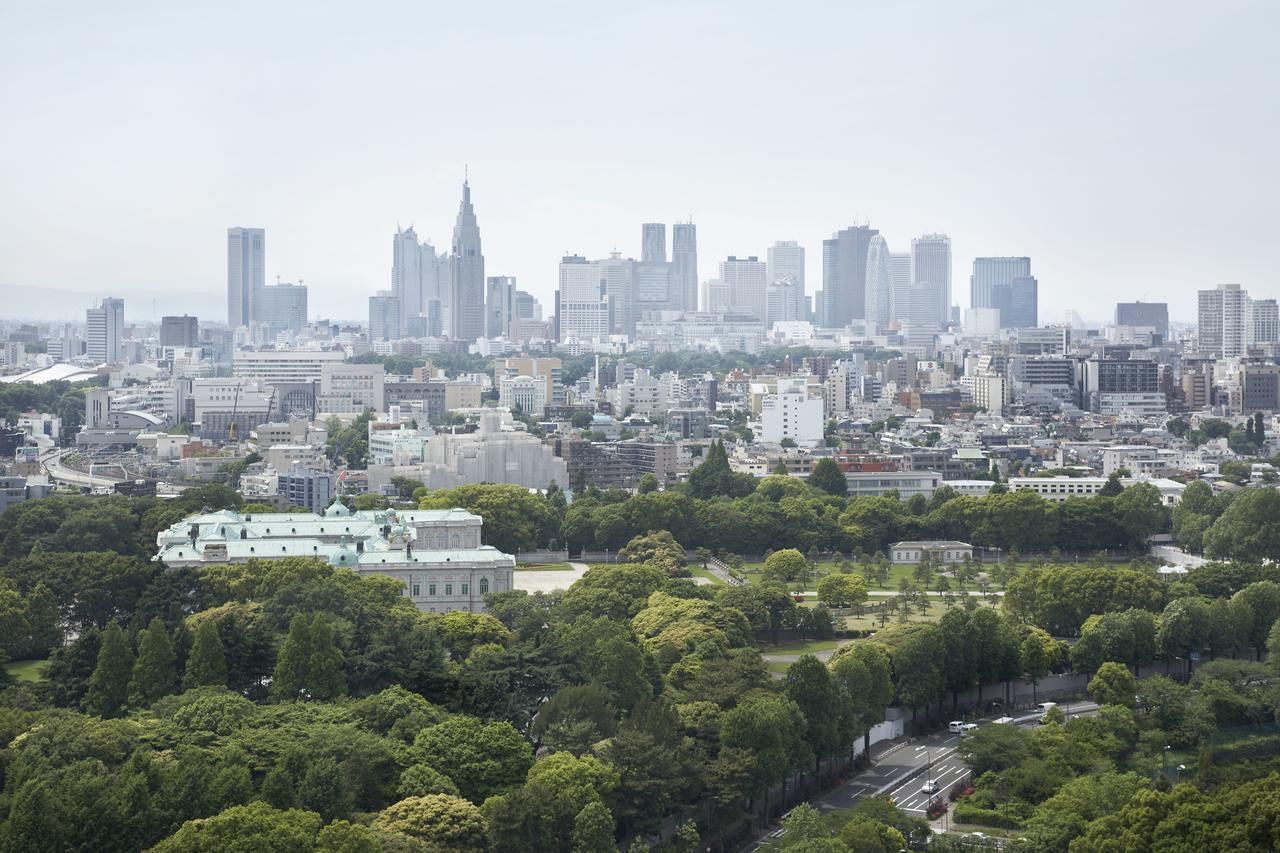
{"x": 435, "y": 553}
{"x": 940, "y": 551}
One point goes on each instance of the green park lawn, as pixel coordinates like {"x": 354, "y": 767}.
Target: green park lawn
{"x": 26, "y": 670}
{"x": 799, "y": 647}
{"x": 699, "y": 572}
{"x": 544, "y": 567}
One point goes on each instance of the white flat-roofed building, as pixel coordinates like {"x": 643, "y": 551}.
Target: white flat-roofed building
{"x": 794, "y": 415}
{"x": 907, "y": 483}
{"x": 276, "y": 367}
{"x": 1061, "y": 488}
{"x": 436, "y": 554}
{"x": 945, "y": 551}
{"x": 351, "y": 388}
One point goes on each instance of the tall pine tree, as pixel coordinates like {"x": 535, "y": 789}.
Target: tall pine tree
{"x": 155, "y": 673}
{"x": 293, "y": 663}
{"x": 206, "y": 664}
{"x": 325, "y": 675}
{"x": 108, "y": 693}
{"x": 310, "y": 664}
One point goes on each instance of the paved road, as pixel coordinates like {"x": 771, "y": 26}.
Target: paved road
{"x": 900, "y": 771}
{"x": 60, "y": 473}
{"x": 549, "y": 581}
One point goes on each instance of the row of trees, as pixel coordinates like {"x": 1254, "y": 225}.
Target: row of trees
{"x": 786, "y": 512}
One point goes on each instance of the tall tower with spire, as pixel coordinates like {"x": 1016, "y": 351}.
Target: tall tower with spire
{"x": 466, "y": 280}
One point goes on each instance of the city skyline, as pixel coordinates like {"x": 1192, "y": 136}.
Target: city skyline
{"x": 1100, "y": 229}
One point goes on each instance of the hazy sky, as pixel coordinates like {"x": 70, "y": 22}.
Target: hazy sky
{"x": 1129, "y": 148}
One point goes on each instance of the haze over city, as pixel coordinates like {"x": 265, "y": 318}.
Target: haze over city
{"x": 1126, "y": 149}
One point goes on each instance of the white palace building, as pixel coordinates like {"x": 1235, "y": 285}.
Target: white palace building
{"x": 435, "y": 553}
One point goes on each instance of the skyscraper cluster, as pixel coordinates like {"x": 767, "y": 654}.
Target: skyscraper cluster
{"x": 864, "y": 281}
{"x": 1229, "y": 321}
{"x": 598, "y": 298}
{"x": 250, "y": 301}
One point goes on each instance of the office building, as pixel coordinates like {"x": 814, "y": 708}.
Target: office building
{"x": 466, "y": 274}
{"x": 384, "y": 316}
{"x": 1264, "y": 321}
{"x": 844, "y": 275}
{"x": 931, "y": 264}
{"x": 1018, "y": 302}
{"x": 1259, "y": 388}
{"x": 499, "y": 305}
{"x": 282, "y": 308}
{"x": 615, "y": 278}
{"x": 277, "y": 367}
{"x": 351, "y": 388}
{"x": 899, "y": 286}
{"x": 181, "y": 331}
{"x": 684, "y": 266}
{"x": 415, "y": 282}
{"x": 785, "y": 262}
{"x": 747, "y": 280}
{"x": 907, "y": 484}
{"x": 879, "y": 287}
{"x": 792, "y": 415}
{"x": 715, "y": 295}
{"x": 1144, "y": 315}
{"x": 246, "y": 273}
{"x": 782, "y": 303}
{"x": 653, "y": 243}
{"x": 582, "y": 312}
{"x": 104, "y": 331}
{"x": 527, "y": 307}
{"x": 1223, "y": 320}
{"x": 1113, "y": 386}
{"x": 651, "y": 286}
{"x": 990, "y": 273}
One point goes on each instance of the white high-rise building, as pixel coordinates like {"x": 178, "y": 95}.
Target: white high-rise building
{"x": 1264, "y": 321}
{"x": 1223, "y": 320}
{"x": 246, "y": 274}
{"x": 715, "y": 295}
{"x": 931, "y": 263}
{"x": 583, "y": 308}
{"x": 282, "y": 307}
{"x": 879, "y": 287}
{"x": 747, "y": 280}
{"x": 785, "y": 262}
{"x": 415, "y": 279}
{"x": 899, "y": 285}
{"x": 104, "y": 331}
{"x": 793, "y": 415}
{"x": 782, "y": 302}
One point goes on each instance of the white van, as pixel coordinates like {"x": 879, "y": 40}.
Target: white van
{"x": 1044, "y": 708}
{"x": 959, "y": 727}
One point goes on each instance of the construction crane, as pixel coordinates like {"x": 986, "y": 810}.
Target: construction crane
{"x": 235, "y": 405}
